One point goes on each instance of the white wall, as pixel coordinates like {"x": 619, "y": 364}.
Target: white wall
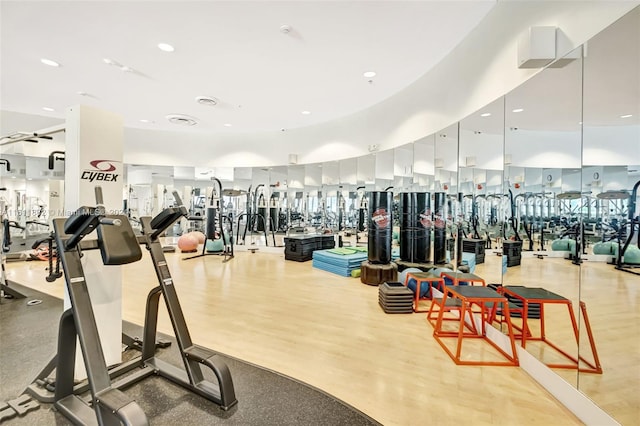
{"x": 482, "y": 68}
{"x": 485, "y": 148}
{"x": 611, "y": 145}
{"x": 544, "y": 149}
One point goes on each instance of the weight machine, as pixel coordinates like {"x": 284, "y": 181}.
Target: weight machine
{"x": 255, "y": 216}
{"x": 108, "y": 404}
{"x": 214, "y": 213}
{"x": 634, "y": 225}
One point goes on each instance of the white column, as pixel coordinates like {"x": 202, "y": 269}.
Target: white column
{"x": 93, "y": 156}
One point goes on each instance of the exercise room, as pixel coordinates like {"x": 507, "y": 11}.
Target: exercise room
{"x": 303, "y": 213}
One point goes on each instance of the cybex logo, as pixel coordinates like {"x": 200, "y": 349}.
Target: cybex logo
{"x": 103, "y": 165}
{"x": 101, "y": 171}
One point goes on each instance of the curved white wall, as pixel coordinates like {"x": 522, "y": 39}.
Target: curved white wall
{"x": 482, "y": 68}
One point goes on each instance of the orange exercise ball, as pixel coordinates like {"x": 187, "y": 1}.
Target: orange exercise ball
{"x": 188, "y": 243}
{"x": 199, "y": 236}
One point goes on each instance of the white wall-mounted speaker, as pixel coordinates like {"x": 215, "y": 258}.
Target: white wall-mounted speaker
{"x": 537, "y": 47}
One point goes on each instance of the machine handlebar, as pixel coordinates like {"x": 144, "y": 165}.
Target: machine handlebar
{"x": 177, "y": 198}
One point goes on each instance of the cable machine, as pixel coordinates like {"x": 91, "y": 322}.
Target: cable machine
{"x": 255, "y": 216}
{"x": 634, "y": 223}
{"x": 216, "y": 219}
{"x": 5, "y": 285}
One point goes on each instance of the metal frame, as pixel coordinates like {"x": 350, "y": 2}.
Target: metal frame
{"x": 487, "y": 299}
{"x": 193, "y": 356}
{"x": 541, "y": 296}
{"x": 107, "y": 406}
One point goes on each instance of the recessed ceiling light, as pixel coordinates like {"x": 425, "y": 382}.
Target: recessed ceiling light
{"x": 181, "y": 119}
{"x": 166, "y": 47}
{"x": 48, "y": 109}
{"x": 227, "y": 124}
{"x": 144, "y": 120}
{"x": 626, "y": 116}
{"x": 49, "y": 62}
{"x": 518, "y": 110}
{"x": 369, "y": 74}
{"x": 207, "y": 100}
{"x": 486, "y": 114}
{"x": 306, "y": 112}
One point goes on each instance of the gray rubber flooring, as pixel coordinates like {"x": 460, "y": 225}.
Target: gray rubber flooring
{"x": 28, "y": 340}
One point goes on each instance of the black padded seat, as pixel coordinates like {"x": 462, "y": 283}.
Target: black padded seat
{"x": 118, "y": 244}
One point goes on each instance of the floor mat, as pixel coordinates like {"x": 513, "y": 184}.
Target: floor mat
{"x": 28, "y": 340}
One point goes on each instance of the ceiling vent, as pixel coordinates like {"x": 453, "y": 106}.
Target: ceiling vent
{"x": 182, "y": 120}
{"x": 207, "y": 100}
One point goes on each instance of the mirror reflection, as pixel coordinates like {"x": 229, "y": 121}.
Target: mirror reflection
{"x": 610, "y": 172}
{"x": 480, "y": 177}
{"x": 541, "y": 244}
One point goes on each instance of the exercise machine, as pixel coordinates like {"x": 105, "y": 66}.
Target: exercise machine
{"x": 6, "y": 292}
{"x": 194, "y": 357}
{"x": 55, "y": 156}
{"x": 255, "y": 217}
{"x": 214, "y": 213}
{"x": 119, "y": 246}
{"x": 634, "y": 226}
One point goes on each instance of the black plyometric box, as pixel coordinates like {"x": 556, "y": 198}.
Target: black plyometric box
{"x": 301, "y": 247}
{"x": 476, "y": 246}
{"x": 395, "y": 298}
{"x": 513, "y": 251}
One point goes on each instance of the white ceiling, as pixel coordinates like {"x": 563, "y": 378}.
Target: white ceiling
{"x": 233, "y": 51}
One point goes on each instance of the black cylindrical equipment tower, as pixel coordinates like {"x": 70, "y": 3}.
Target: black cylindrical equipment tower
{"x": 380, "y": 227}
{"x": 439, "y": 231}
{"x": 415, "y": 227}
{"x": 423, "y": 227}
{"x": 407, "y": 219}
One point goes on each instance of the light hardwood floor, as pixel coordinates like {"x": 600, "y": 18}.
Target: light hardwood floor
{"x": 329, "y": 331}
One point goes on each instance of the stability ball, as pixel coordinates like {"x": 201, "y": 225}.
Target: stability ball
{"x": 632, "y": 255}
{"x": 214, "y": 246}
{"x": 609, "y": 248}
{"x": 199, "y": 236}
{"x": 188, "y": 243}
